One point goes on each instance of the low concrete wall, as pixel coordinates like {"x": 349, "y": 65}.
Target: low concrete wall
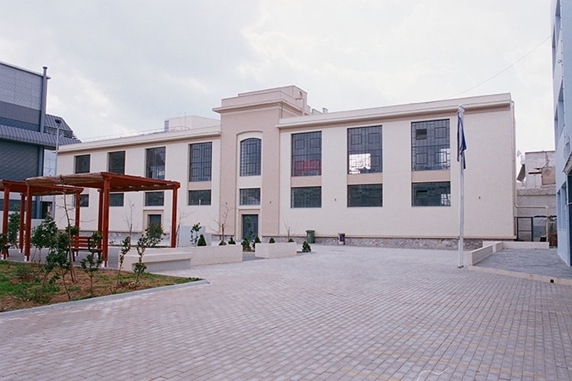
{"x": 175, "y": 258}
{"x": 211, "y": 255}
{"x": 275, "y": 250}
{"x": 490, "y": 247}
{"x": 525, "y": 245}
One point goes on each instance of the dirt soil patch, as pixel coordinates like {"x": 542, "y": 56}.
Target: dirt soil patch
{"x": 21, "y": 285}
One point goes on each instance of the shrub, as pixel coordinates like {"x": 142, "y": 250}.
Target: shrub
{"x": 290, "y": 240}
{"x": 256, "y": 240}
{"x": 202, "y": 241}
{"x": 306, "y": 247}
{"x": 246, "y": 245}
{"x": 14, "y": 227}
{"x": 231, "y": 241}
{"x": 271, "y": 240}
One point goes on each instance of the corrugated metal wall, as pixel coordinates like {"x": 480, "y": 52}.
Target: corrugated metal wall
{"x": 18, "y": 161}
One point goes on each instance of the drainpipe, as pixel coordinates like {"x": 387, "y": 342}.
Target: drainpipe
{"x": 43, "y": 106}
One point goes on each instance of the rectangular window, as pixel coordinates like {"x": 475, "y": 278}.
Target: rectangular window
{"x": 431, "y": 194}
{"x": 364, "y": 150}
{"x": 155, "y": 163}
{"x": 250, "y": 196}
{"x": 116, "y": 199}
{"x": 154, "y": 198}
{"x": 430, "y": 145}
{"x": 154, "y": 219}
{"x": 83, "y": 200}
{"x": 307, "y": 197}
{"x": 200, "y": 197}
{"x": 81, "y": 164}
{"x": 250, "y": 157}
{"x": 200, "y": 167}
{"x": 307, "y": 154}
{"x": 116, "y": 162}
{"x": 365, "y": 195}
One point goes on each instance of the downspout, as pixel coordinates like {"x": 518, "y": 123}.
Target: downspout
{"x": 43, "y": 107}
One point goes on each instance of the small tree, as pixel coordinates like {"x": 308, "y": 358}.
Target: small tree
{"x": 91, "y": 264}
{"x": 152, "y": 236}
{"x": 202, "y": 241}
{"x": 57, "y": 260}
{"x": 125, "y": 248}
{"x": 14, "y": 226}
{"x": 45, "y": 235}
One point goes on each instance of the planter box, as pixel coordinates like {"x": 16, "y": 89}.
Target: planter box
{"x": 211, "y": 255}
{"x": 276, "y": 250}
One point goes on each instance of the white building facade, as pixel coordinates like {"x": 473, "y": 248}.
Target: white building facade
{"x": 273, "y": 167}
{"x": 562, "y": 82}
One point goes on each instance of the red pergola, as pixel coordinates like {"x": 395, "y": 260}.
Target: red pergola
{"x": 26, "y": 192}
{"x": 106, "y": 183}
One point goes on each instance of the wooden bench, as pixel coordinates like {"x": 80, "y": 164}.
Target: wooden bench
{"x": 81, "y": 243}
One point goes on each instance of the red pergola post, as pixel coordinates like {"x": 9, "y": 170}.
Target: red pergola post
{"x": 104, "y": 207}
{"x": 174, "y": 217}
{"x": 5, "y": 213}
{"x": 28, "y": 221}
{"x": 22, "y": 213}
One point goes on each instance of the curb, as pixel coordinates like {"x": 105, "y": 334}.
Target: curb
{"x": 101, "y": 299}
{"x": 516, "y": 274}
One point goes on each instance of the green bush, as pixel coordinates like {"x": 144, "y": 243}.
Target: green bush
{"x": 246, "y": 245}
{"x": 271, "y": 240}
{"x": 202, "y": 241}
{"x": 231, "y": 241}
{"x": 306, "y": 247}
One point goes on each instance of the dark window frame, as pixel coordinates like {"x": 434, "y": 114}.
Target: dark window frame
{"x": 116, "y": 162}
{"x": 155, "y": 198}
{"x": 365, "y": 195}
{"x": 250, "y": 157}
{"x": 249, "y": 196}
{"x": 200, "y": 161}
{"x": 437, "y": 193}
{"x": 155, "y": 162}
{"x": 116, "y": 199}
{"x": 200, "y": 197}
{"x": 82, "y": 163}
{"x": 307, "y": 154}
{"x": 431, "y": 145}
{"x": 365, "y": 150}
{"x": 306, "y": 197}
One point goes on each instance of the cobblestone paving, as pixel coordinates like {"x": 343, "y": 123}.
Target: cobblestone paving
{"x": 540, "y": 262}
{"x": 339, "y": 313}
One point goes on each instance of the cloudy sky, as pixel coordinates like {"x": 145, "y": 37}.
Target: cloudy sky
{"x": 121, "y": 66}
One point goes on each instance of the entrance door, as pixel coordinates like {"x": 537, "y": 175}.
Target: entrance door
{"x": 249, "y": 226}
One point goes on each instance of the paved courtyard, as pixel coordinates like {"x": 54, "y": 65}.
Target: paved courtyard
{"x": 339, "y": 313}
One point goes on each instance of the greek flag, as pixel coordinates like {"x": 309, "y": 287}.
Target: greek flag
{"x": 461, "y": 143}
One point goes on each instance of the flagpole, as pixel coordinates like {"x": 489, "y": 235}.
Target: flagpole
{"x": 461, "y": 147}
{"x": 461, "y": 212}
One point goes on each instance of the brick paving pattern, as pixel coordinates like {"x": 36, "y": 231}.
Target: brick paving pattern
{"x": 339, "y": 313}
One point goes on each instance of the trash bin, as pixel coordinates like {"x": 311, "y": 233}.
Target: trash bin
{"x": 310, "y": 236}
{"x": 341, "y": 238}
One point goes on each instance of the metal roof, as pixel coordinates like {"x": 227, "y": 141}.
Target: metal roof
{"x": 33, "y": 137}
